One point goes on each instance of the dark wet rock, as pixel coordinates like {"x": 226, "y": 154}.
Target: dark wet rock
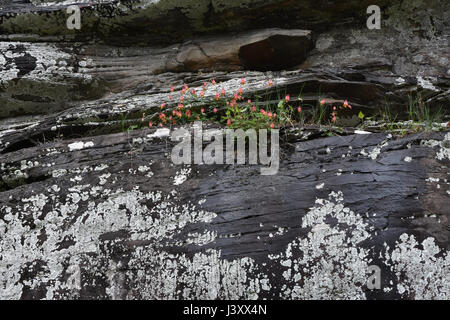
{"x": 111, "y": 217}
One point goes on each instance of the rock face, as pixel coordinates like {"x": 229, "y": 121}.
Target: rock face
{"x": 112, "y": 217}
{"x": 89, "y": 211}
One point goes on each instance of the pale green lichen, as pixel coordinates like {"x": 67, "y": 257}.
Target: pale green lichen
{"x": 422, "y": 270}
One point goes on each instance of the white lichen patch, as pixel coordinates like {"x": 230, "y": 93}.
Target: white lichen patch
{"x": 80, "y": 145}
{"x": 444, "y": 147}
{"x": 328, "y": 263}
{"x": 49, "y": 60}
{"x": 426, "y": 83}
{"x": 181, "y": 176}
{"x": 145, "y": 170}
{"x": 375, "y": 152}
{"x": 73, "y": 226}
{"x": 423, "y": 272}
{"x": 203, "y": 276}
{"x": 362, "y": 132}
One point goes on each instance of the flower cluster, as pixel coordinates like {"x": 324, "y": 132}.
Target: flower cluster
{"x": 233, "y": 109}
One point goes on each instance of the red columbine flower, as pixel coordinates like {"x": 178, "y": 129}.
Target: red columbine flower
{"x": 204, "y": 85}
{"x": 170, "y": 97}
{"x": 202, "y": 94}
{"x": 253, "y": 108}
{"x": 217, "y": 96}
{"x": 334, "y": 108}
{"x": 299, "y": 109}
{"x": 160, "y": 124}
{"x": 346, "y": 105}
{"x": 172, "y": 89}
{"x": 188, "y": 113}
{"x": 213, "y": 82}
{"x": 215, "y": 110}
{"x": 243, "y": 81}
{"x": 249, "y": 101}
{"x": 334, "y": 116}
{"x": 228, "y": 122}
{"x": 150, "y": 124}
{"x": 240, "y": 91}
{"x": 272, "y": 125}
{"x": 269, "y": 114}
{"x": 223, "y": 92}
{"x": 202, "y": 110}
{"x": 322, "y": 102}
{"x": 193, "y": 92}
{"x": 163, "y": 105}
{"x": 180, "y": 106}
{"x": 181, "y": 98}
{"x": 263, "y": 111}
{"x": 287, "y": 98}
{"x": 270, "y": 82}
{"x": 162, "y": 116}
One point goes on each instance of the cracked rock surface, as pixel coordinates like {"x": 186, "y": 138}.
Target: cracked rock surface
{"x": 90, "y": 212}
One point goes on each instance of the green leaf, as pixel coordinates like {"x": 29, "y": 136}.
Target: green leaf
{"x": 361, "y": 115}
{"x": 280, "y": 104}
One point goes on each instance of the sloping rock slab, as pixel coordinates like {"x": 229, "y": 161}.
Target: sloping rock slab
{"x": 111, "y": 217}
